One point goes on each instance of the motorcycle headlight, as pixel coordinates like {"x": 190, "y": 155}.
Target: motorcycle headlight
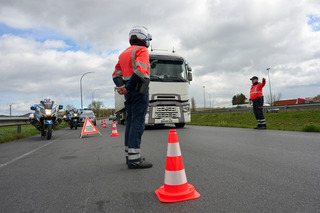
{"x": 48, "y": 112}
{"x": 75, "y": 115}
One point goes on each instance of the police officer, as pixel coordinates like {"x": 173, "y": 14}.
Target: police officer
{"x": 256, "y": 97}
{"x": 132, "y": 77}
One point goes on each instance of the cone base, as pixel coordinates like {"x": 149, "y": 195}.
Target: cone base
{"x": 114, "y": 135}
{"x": 104, "y": 127}
{"x": 167, "y": 197}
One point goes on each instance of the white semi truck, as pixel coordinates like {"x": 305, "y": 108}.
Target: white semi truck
{"x": 170, "y": 76}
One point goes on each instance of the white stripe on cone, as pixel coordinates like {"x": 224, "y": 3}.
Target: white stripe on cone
{"x": 173, "y": 150}
{"x": 114, "y": 128}
{"x": 175, "y": 177}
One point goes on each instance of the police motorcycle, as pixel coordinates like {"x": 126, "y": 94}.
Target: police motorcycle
{"x": 45, "y": 118}
{"x": 73, "y": 117}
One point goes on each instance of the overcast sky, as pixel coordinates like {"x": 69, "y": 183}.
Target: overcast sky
{"x": 45, "y": 46}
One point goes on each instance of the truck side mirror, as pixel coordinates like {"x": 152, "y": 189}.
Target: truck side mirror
{"x": 60, "y": 106}
{"x": 189, "y": 68}
{"x": 189, "y": 75}
{"x": 33, "y": 107}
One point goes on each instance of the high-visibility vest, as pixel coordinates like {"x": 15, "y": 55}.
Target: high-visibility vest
{"x": 256, "y": 90}
{"x": 135, "y": 59}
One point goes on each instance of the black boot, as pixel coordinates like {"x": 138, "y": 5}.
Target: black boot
{"x": 142, "y": 158}
{"x": 264, "y": 126}
{"x": 259, "y": 126}
{"x": 139, "y": 165}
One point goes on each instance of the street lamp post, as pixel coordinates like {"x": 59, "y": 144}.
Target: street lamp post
{"x": 92, "y": 94}
{"x": 271, "y": 103}
{"x": 204, "y": 98}
{"x": 81, "y": 86}
{"x": 10, "y": 108}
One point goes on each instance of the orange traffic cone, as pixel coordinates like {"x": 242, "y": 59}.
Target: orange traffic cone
{"x": 176, "y": 187}
{"x": 114, "y": 130}
{"x": 104, "y": 125}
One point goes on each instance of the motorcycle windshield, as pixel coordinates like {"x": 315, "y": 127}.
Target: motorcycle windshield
{"x": 47, "y": 105}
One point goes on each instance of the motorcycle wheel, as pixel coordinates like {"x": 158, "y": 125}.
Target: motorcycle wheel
{"x": 76, "y": 125}
{"x": 49, "y": 131}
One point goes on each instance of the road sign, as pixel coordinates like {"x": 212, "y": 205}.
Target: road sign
{"x": 88, "y": 128}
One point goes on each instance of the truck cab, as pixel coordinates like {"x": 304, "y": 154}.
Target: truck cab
{"x": 170, "y": 76}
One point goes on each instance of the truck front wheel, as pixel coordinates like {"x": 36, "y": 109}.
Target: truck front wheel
{"x": 180, "y": 125}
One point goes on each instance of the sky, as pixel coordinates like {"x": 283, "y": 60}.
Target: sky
{"x": 45, "y": 47}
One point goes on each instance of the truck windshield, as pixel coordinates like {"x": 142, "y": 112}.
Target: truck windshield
{"x": 168, "y": 71}
{"x": 88, "y": 113}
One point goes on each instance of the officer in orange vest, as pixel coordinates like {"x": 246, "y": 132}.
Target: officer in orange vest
{"x": 132, "y": 77}
{"x": 256, "y": 97}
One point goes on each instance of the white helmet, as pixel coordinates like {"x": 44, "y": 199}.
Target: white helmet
{"x": 140, "y": 33}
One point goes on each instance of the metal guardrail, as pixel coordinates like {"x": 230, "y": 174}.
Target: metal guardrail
{"x": 266, "y": 108}
{"x": 14, "y": 121}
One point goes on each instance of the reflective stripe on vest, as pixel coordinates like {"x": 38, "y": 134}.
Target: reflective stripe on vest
{"x": 255, "y": 90}
{"x": 134, "y": 64}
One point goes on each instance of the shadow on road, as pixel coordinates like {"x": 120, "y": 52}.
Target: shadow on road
{"x": 160, "y": 127}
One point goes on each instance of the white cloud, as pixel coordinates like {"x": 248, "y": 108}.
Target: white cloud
{"x": 55, "y": 44}
{"x": 32, "y": 71}
{"x": 226, "y": 42}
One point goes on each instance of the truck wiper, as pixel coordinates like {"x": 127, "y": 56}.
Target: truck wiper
{"x": 178, "y": 78}
{"x": 154, "y": 77}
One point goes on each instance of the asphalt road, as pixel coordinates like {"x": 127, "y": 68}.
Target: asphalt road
{"x": 234, "y": 170}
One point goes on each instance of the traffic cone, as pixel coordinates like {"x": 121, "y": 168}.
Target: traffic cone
{"x": 114, "y": 130}
{"x": 101, "y": 122}
{"x": 176, "y": 187}
{"x": 104, "y": 125}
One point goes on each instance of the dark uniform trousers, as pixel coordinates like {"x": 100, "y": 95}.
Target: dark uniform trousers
{"x": 136, "y": 108}
{"x": 258, "y": 111}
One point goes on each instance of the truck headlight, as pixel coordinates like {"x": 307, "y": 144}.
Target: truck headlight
{"x": 48, "y": 112}
{"x": 186, "y": 108}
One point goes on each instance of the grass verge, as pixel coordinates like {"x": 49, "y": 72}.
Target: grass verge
{"x": 293, "y": 120}
{"x": 9, "y": 133}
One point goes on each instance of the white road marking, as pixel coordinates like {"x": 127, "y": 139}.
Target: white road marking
{"x": 28, "y": 153}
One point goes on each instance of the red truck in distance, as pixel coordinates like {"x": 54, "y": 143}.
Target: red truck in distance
{"x": 291, "y": 102}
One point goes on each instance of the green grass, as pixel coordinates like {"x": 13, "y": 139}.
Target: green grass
{"x": 9, "y": 133}
{"x": 293, "y": 120}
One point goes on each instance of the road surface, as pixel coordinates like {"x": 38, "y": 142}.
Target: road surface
{"x": 234, "y": 170}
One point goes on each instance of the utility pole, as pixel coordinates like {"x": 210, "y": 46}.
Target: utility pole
{"x": 204, "y": 97}
{"x": 270, "y": 87}
{"x": 92, "y": 94}
{"x": 210, "y": 102}
{"x": 81, "y": 86}
{"x": 10, "y": 108}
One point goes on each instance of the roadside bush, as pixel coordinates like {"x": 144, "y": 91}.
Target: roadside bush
{"x": 311, "y": 127}
{"x": 223, "y": 124}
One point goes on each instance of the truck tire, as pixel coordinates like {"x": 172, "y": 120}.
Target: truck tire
{"x": 119, "y": 120}
{"x": 180, "y": 125}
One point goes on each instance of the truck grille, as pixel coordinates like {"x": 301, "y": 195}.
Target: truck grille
{"x": 166, "y": 115}
{"x": 166, "y": 109}
{"x": 166, "y": 112}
